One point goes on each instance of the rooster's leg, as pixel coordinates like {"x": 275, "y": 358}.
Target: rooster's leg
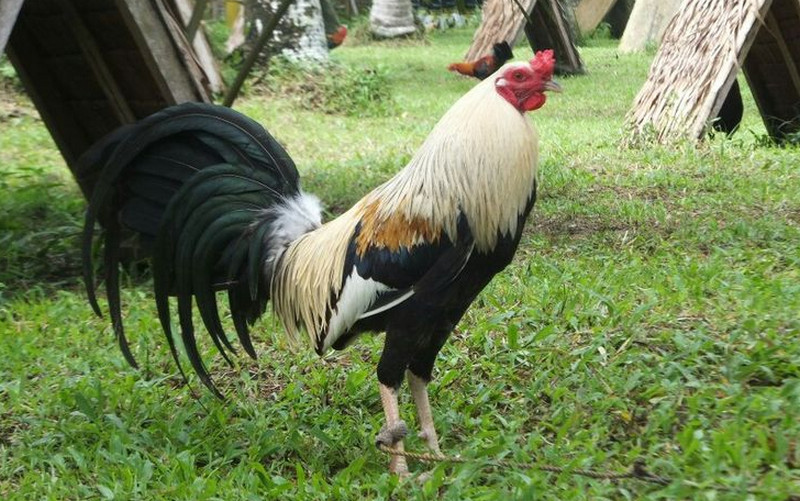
{"x": 394, "y": 431}
{"x": 419, "y": 390}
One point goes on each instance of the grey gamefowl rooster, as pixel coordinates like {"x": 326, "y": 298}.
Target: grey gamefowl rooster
{"x": 217, "y": 202}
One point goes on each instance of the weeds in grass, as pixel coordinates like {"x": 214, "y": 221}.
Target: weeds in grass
{"x": 334, "y": 89}
{"x": 40, "y": 223}
{"x": 9, "y": 80}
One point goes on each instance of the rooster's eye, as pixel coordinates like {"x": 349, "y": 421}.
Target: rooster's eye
{"x": 518, "y": 75}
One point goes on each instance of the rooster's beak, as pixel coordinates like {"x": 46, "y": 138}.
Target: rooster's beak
{"x": 552, "y": 85}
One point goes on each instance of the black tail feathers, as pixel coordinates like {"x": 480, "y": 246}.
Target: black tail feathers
{"x": 502, "y": 53}
{"x": 194, "y": 183}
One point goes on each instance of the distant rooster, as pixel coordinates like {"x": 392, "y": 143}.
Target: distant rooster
{"x": 485, "y": 66}
{"x": 336, "y": 38}
{"x": 335, "y": 32}
{"x": 218, "y": 202}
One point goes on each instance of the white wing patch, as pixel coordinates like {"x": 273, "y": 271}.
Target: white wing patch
{"x": 358, "y": 294}
{"x": 387, "y": 306}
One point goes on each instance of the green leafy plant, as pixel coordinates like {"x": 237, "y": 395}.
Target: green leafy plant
{"x": 334, "y": 89}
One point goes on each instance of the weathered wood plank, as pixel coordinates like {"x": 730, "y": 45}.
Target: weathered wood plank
{"x": 90, "y": 66}
{"x": 199, "y": 42}
{"x": 771, "y": 69}
{"x": 94, "y": 58}
{"x": 149, "y": 30}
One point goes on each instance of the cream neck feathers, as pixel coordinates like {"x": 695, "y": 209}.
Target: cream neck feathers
{"x": 480, "y": 158}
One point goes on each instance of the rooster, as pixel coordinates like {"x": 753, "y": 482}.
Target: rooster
{"x": 336, "y": 38}
{"x": 486, "y": 65}
{"x": 217, "y": 201}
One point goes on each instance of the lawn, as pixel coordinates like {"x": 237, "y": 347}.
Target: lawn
{"x": 651, "y": 313}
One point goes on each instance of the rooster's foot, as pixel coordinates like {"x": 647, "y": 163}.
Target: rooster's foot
{"x": 389, "y": 436}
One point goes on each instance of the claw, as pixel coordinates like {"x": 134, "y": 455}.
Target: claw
{"x": 390, "y": 436}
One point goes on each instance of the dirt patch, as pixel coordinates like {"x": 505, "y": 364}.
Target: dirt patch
{"x": 560, "y": 225}
{"x": 9, "y": 427}
{"x": 15, "y": 104}
{"x": 584, "y": 225}
{"x": 792, "y": 214}
{"x": 266, "y": 386}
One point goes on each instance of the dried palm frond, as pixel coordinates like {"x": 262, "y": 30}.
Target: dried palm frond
{"x": 702, "y": 50}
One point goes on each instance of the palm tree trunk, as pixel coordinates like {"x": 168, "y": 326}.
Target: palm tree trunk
{"x": 391, "y": 18}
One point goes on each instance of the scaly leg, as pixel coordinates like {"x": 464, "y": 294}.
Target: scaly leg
{"x": 392, "y": 434}
{"x": 419, "y": 390}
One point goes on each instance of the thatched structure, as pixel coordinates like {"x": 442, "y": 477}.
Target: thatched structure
{"x": 503, "y": 21}
{"x": 90, "y": 66}
{"x": 700, "y": 55}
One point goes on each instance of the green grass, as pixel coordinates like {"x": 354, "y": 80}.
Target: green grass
{"x": 651, "y": 313}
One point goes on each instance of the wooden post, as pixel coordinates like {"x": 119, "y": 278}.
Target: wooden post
{"x": 197, "y": 16}
{"x": 94, "y": 57}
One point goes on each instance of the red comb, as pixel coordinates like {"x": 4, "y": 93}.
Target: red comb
{"x": 544, "y": 63}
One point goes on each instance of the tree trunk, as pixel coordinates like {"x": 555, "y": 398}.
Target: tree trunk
{"x": 392, "y": 18}
{"x": 300, "y": 35}
{"x": 308, "y": 33}
{"x": 234, "y": 18}
{"x": 647, "y": 23}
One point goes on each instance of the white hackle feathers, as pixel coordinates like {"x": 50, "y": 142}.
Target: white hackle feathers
{"x": 479, "y": 159}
